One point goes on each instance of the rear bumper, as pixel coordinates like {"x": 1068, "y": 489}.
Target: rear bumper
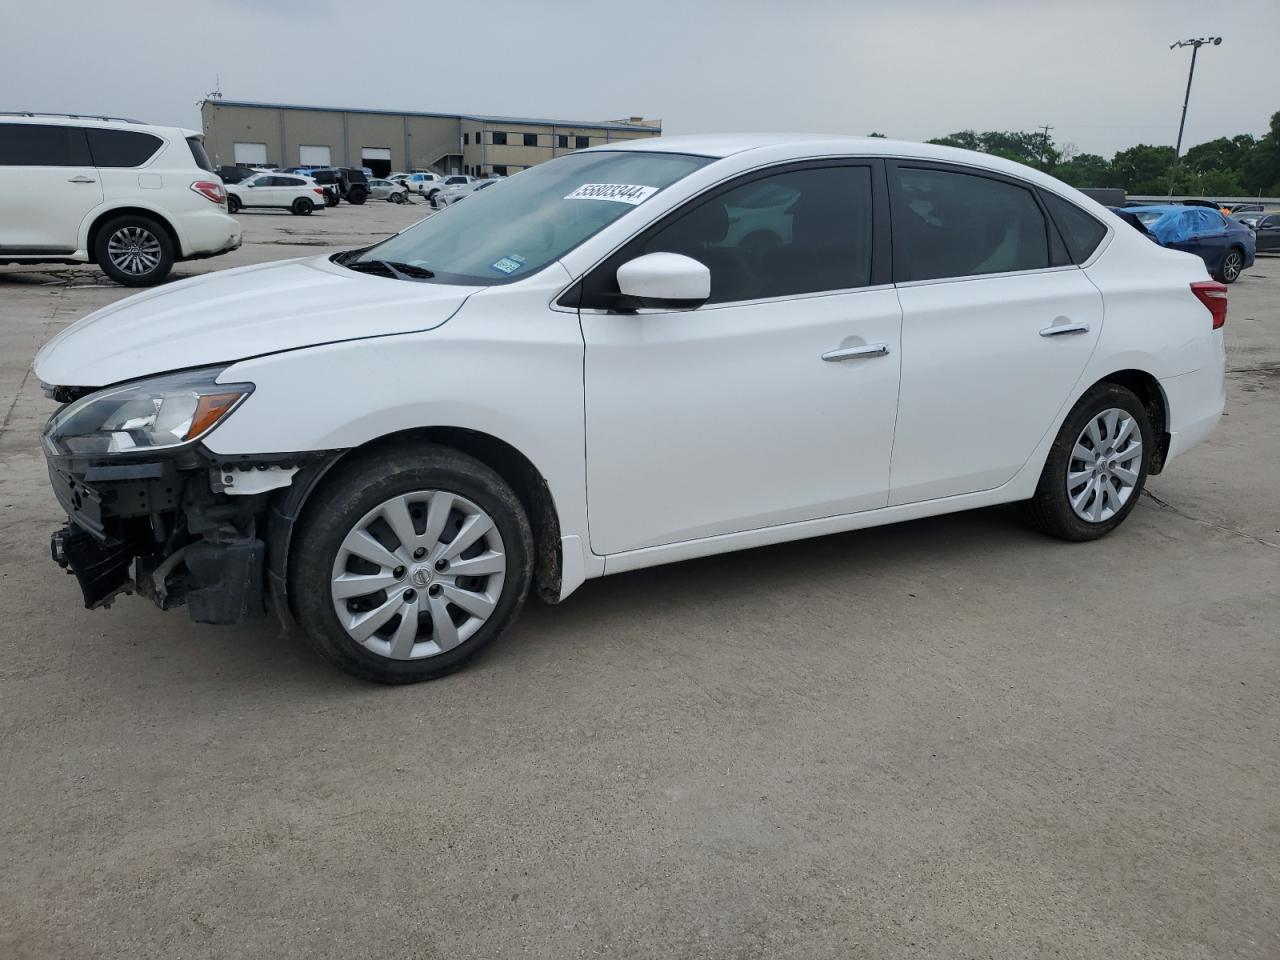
{"x": 207, "y": 233}
{"x": 1195, "y": 401}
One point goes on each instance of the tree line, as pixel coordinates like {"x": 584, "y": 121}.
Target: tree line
{"x": 1237, "y": 166}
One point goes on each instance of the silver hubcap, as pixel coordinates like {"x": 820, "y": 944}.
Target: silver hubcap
{"x": 418, "y": 575}
{"x": 1231, "y": 266}
{"x": 134, "y": 250}
{"x": 1105, "y": 464}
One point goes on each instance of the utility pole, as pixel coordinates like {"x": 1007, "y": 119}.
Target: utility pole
{"x": 1195, "y": 43}
{"x": 1044, "y": 144}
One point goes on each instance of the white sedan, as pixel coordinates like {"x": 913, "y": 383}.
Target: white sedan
{"x": 287, "y": 191}
{"x": 627, "y": 356}
{"x": 458, "y": 191}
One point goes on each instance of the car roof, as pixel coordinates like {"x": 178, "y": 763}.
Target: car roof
{"x": 780, "y": 147}
{"x": 109, "y": 123}
{"x": 1162, "y": 208}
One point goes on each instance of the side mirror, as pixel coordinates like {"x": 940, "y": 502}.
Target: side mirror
{"x": 665, "y": 280}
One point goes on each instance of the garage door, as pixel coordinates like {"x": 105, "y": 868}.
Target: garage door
{"x": 377, "y": 159}
{"x": 251, "y": 154}
{"x": 313, "y": 156}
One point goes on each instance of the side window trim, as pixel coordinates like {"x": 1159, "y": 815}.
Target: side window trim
{"x": 578, "y": 293}
{"x": 1058, "y": 256}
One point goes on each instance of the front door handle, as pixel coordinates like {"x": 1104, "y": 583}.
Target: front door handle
{"x": 82, "y": 180}
{"x": 1062, "y": 329}
{"x": 864, "y": 352}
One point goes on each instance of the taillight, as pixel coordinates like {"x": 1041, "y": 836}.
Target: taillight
{"x": 1214, "y": 296}
{"x": 319, "y": 191}
{"x": 210, "y": 190}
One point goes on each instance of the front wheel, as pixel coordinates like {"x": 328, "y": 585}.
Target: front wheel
{"x": 302, "y": 206}
{"x": 1096, "y": 467}
{"x": 233, "y": 204}
{"x": 1232, "y": 265}
{"x": 133, "y": 250}
{"x": 407, "y": 565}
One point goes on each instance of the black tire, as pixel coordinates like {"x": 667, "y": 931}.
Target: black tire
{"x": 1232, "y": 264}
{"x": 357, "y": 196}
{"x": 1050, "y": 509}
{"x": 302, "y": 206}
{"x": 397, "y": 198}
{"x": 151, "y": 233}
{"x": 330, "y": 199}
{"x": 354, "y": 489}
{"x": 233, "y": 204}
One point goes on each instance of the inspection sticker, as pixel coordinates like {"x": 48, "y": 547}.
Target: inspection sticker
{"x": 509, "y": 264}
{"x": 620, "y": 192}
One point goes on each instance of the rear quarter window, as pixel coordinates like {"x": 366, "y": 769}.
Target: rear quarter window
{"x": 198, "y": 153}
{"x": 1080, "y": 231}
{"x": 42, "y": 145}
{"x": 122, "y": 148}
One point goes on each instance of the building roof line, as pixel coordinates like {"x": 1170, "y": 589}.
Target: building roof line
{"x": 476, "y": 117}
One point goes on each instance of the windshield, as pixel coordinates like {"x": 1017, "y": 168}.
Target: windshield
{"x": 1149, "y": 216}
{"x": 514, "y": 230}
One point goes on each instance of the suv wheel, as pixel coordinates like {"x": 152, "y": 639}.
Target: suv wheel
{"x": 233, "y": 203}
{"x": 133, "y": 250}
{"x": 406, "y": 565}
{"x": 302, "y": 206}
{"x": 357, "y": 195}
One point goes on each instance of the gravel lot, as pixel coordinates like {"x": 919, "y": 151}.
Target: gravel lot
{"x": 949, "y": 738}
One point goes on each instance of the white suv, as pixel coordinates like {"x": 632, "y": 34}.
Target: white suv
{"x": 128, "y": 196}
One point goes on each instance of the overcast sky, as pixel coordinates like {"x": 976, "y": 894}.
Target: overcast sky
{"x": 1100, "y": 71}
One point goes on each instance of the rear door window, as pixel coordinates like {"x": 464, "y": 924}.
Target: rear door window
{"x": 122, "y": 148}
{"x": 949, "y": 223}
{"x": 1080, "y": 231}
{"x": 43, "y": 145}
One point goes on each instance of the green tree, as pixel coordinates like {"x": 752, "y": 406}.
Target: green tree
{"x": 1260, "y": 169}
{"x": 877, "y": 136}
{"x": 1085, "y": 170}
{"x": 1143, "y": 169}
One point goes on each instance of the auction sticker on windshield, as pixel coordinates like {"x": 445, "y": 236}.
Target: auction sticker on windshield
{"x": 631, "y": 193}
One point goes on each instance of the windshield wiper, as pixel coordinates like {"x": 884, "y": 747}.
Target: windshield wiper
{"x": 391, "y": 268}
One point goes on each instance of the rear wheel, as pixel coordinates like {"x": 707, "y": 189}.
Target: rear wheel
{"x": 407, "y": 565}
{"x": 302, "y": 206}
{"x": 233, "y": 203}
{"x": 134, "y": 250}
{"x": 1232, "y": 265}
{"x": 1096, "y": 468}
{"x": 357, "y": 195}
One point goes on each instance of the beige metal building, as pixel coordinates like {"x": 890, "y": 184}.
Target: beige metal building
{"x": 290, "y": 135}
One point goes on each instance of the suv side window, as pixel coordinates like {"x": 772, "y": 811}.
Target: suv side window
{"x": 957, "y": 224}
{"x": 121, "y": 148}
{"x": 1080, "y": 231}
{"x": 802, "y": 231}
{"x": 43, "y": 145}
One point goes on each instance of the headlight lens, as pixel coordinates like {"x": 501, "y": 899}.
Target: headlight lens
{"x": 150, "y": 414}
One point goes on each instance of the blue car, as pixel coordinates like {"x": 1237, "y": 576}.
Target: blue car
{"x": 1225, "y": 246}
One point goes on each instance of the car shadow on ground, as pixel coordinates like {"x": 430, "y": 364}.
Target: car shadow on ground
{"x": 603, "y": 607}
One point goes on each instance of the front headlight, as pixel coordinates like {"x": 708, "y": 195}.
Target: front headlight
{"x": 153, "y": 414}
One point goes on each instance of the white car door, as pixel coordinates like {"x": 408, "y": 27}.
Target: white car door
{"x": 997, "y": 327}
{"x": 774, "y": 402}
{"x": 48, "y": 185}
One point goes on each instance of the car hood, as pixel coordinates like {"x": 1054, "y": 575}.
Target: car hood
{"x": 233, "y": 314}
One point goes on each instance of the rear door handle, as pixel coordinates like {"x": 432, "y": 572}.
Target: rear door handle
{"x": 1062, "y": 329}
{"x": 82, "y": 180}
{"x": 864, "y": 352}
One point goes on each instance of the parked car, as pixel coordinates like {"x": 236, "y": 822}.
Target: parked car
{"x": 1225, "y": 246}
{"x": 330, "y": 183}
{"x": 396, "y": 460}
{"x": 300, "y": 195}
{"x": 354, "y": 184}
{"x": 233, "y": 173}
{"x": 423, "y": 184}
{"x": 1266, "y": 230}
{"x": 454, "y": 192}
{"x": 130, "y": 197}
{"x": 387, "y": 190}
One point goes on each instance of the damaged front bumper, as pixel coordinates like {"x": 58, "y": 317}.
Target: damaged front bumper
{"x": 188, "y": 530}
